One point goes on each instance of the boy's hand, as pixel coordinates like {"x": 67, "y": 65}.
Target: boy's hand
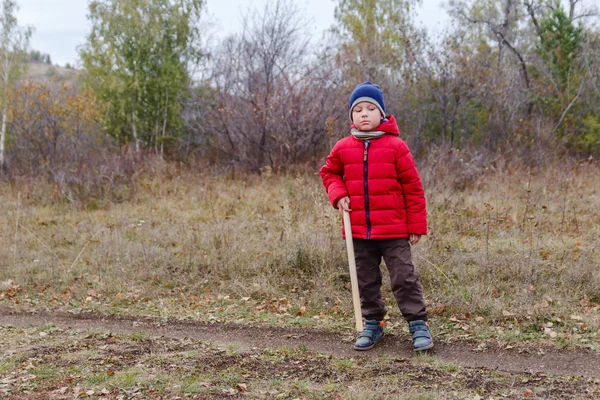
{"x": 344, "y": 204}
{"x": 414, "y": 238}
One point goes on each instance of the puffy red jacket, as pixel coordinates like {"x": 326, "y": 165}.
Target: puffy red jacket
{"x": 379, "y": 176}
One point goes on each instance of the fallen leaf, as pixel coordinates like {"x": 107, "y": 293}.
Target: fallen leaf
{"x": 242, "y": 386}
{"x": 302, "y": 310}
{"x": 550, "y": 332}
{"x": 528, "y": 393}
{"x": 507, "y": 313}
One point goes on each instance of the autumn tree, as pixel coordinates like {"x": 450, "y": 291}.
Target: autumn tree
{"x": 370, "y": 37}
{"x": 564, "y": 70}
{"x": 533, "y": 59}
{"x": 52, "y": 122}
{"x": 14, "y": 41}
{"x": 560, "y": 47}
{"x": 380, "y": 41}
{"x": 271, "y": 96}
{"x": 138, "y": 59}
{"x": 57, "y": 137}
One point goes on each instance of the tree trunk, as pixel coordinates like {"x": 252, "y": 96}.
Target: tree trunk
{"x": 3, "y": 136}
{"x": 164, "y": 128}
{"x": 5, "y": 78}
{"x": 135, "y": 135}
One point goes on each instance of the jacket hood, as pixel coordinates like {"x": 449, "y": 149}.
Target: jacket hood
{"x": 388, "y": 125}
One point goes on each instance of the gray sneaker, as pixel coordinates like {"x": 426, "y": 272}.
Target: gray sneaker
{"x": 421, "y": 337}
{"x": 370, "y": 336}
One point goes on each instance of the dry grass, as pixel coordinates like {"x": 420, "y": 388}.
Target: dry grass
{"x": 509, "y": 241}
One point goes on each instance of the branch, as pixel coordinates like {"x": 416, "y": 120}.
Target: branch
{"x": 531, "y": 12}
{"x": 564, "y": 114}
{"x": 503, "y": 39}
{"x": 590, "y": 13}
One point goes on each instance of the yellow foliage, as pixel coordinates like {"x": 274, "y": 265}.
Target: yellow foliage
{"x": 54, "y": 109}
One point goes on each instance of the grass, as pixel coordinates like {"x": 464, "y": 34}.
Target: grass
{"x": 512, "y": 255}
{"x": 171, "y": 368}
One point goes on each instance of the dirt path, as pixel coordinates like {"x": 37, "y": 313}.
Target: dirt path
{"x": 576, "y": 362}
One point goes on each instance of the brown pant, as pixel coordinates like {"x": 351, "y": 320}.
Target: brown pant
{"x": 404, "y": 281}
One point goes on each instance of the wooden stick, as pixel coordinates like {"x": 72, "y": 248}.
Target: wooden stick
{"x": 353, "y": 277}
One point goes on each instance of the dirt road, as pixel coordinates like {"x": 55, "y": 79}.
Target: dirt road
{"x": 573, "y": 362}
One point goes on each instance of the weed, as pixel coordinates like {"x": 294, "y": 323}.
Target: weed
{"x": 137, "y": 336}
{"x": 97, "y": 379}
{"x": 345, "y": 365}
{"x": 192, "y": 386}
{"x": 8, "y": 364}
{"x": 129, "y": 378}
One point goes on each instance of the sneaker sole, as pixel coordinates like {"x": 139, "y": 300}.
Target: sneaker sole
{"x": 429, "y": 346}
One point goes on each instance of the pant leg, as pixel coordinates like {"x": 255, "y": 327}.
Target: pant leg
{"x": 368, "y": 260}
{"x": 404, "y": 280}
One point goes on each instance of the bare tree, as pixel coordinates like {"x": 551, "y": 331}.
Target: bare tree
{"x": 271, "y": 93}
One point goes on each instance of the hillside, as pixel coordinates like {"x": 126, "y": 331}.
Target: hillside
{"x": 41, "y": 71}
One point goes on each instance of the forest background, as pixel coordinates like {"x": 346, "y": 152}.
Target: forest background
{"x": 510, "y": 78}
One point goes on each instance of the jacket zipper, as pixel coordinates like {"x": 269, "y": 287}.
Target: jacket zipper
{"x": 366, "y": 144}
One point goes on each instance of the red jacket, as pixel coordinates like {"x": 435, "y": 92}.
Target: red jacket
{"x": 379, "y": 176}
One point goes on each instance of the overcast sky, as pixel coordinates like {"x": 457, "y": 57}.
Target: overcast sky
{"x": 61, "y": 25}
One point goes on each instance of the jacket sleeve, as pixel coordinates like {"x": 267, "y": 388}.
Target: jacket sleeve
{"x": 412, "y": 188}
{"x": 332, "y": 176}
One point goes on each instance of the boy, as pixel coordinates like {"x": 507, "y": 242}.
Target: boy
{"x": 372, "y": 175}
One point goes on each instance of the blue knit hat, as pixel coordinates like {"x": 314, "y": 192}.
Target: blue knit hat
{"x": 367, "y": 91}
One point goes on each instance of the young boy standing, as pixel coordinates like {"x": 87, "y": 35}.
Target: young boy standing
{"x": 372, "y": 175}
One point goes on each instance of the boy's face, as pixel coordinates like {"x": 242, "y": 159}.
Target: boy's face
{"x": 366, "y": 116}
